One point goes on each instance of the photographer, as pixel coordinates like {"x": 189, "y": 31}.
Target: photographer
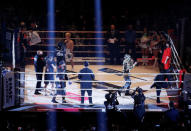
{"x": 139, "y": 105}
{"x": 111, "y": 98}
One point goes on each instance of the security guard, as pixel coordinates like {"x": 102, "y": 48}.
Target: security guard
{"x": 39, "y": 63}
{"x": 159, "y": 85}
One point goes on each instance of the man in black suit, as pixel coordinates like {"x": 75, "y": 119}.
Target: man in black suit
{"x": 39, "y": 64}
{"x": 112, "y": 38}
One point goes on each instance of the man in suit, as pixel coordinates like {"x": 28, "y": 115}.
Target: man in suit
{"x": 112, "y": 38}
{"x": 39, "y": 64}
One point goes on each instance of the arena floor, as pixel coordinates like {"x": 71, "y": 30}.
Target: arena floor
{"x": 99, "y": 89}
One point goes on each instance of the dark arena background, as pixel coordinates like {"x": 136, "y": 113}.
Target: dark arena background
{"x": 95, "y": 65}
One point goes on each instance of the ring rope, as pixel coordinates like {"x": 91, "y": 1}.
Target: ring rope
{"x": 98, "y": 89}
{"x": 92, "y": 96}
{"x": 100, "y": 81}
{"x": 101, "y": 73}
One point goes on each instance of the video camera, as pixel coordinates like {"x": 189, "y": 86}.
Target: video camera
{"x": 111, "y": 100}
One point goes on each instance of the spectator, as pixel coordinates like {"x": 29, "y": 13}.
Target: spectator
{"x": 145, "y": 45}
{"x": 162, "y": 44}
{"x": 23, "y": 44}
{"x": 34, "y": 26}
{"x": 130, "y": 36}
{"x": 86, "y": 86}
{"x": 34, "y": 39}
{"x": 112, "y": 37}
{"x": 160, "y": 65}
{"x": 155, "y": 39}
{"x": 172, "y": 116}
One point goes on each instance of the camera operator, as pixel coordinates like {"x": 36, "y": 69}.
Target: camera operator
{"x": 139, "y": 105}
{"x": 112, "y": 101}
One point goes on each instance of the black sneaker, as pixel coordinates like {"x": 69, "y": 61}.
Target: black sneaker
{"x": 119, "y": 92}
{"x": 54, "y": 101}
{"x": 91, "y": 104}
{"x": 41, "y": 89}
{"x": 37, "y": 93}
{"x": 127, "y": 94}
{"x": 82, "y": 104}
{"x": 64, "y": 101}
{"x": 158, "y": 100}
{"x": 153, "y": 86}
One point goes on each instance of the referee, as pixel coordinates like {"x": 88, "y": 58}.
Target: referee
{"x": 86, "y": 86}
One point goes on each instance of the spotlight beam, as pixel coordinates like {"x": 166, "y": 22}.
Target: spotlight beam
{"x": 101, "y": 117}
{"x": 51, "y": 23}
{"x": 98, "y": 27}
{"x": 51, "y": 116}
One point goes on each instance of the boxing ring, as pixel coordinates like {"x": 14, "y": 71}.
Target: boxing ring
{"x": 107, "y": 78}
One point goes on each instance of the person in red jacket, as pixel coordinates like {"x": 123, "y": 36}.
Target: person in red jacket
{"x": 166, "y": 58}
{"x": 166, "y": 61}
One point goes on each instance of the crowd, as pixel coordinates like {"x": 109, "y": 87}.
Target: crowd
{"x": 138, "y": 45}
{"x": 148, "y": 44}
